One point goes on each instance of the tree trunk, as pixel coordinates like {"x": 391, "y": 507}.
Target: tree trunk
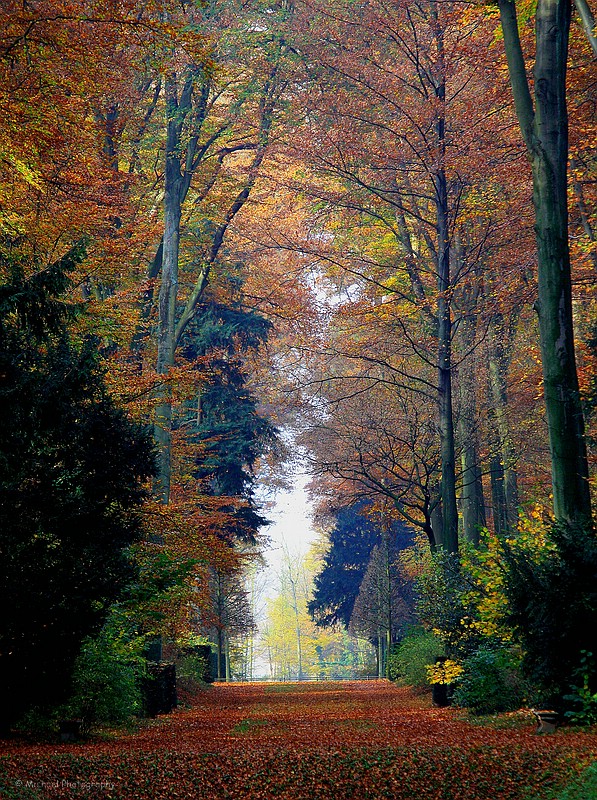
{"x": 168, "y": 287}
{"x": 444, "y": 314}
{"x": 498, "y": 498}
{"x": 503, "y": 470}
{"x": 588, "y": 22}
{"x": 545, "y": 132}
{"x": 471, "y": 496}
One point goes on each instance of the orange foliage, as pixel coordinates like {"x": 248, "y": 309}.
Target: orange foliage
{"x": 297, "y": 741}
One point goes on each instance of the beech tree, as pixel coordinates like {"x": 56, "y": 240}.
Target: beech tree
{"x": 543, "y": 121}
{"x": 205, "y": 99}
{"x": 399, "y": 142}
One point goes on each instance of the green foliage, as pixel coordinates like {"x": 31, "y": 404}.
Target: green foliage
{"x": 409, "y": 660}
{"x": 72, "y": 468}
{"x": 445, "y": 606}
{"x": 491, "y": 681}
{"x": 582, "y": 699}
{"x": 552, "y": 608}
{"x": 193, "y": 667}
{"x": 106, "y": 678}
{"x": 34, "y": 306}
{"x": 231, "y": 428}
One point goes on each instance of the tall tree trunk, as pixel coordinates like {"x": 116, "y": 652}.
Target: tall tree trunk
{"x": 545, "y": 132}
{"x": 588, "y": 22}
{"x": 471, "y": 497}
{"x": 444, "y": 314}
{"x": 168, "y": 288}
{"x": 498, "y": 497}
{"x": 503, "y": 469}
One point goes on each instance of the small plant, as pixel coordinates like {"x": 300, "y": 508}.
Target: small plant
{"x": 582, "y": 697}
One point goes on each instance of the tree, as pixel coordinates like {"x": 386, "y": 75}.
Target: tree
{"x": 72, "y": 470}
{"x": 383, "y": 608}
{"x": 406, "y": 158}
{"x": 544, "y": 127}
{"x": 225, "y": 419}
{"x": 231, "y": 616}
{"x": 205, "y": 98}
{"x": 336, "y": 586}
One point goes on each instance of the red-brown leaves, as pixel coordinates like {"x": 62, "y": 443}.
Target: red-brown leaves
{"x": 298, "y": 741}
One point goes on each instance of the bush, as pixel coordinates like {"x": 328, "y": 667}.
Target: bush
{"x": 409, "y": 660}
{"x": 106, "y": 680}
{"x": 446, "y": 605}
{"x": 491, "y": 681}
{"x": 581, "y": 699}
{"x": 193, "y": 668}
{"x": 552, "y": 602}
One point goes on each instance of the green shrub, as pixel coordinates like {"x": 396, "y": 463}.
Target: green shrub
{"x": 491, "y": 681}
{"x": 582, "y": 700}
{"x": 193, "y": 670}
{"x": 446, "y": 605}
{"x": 409, "y": 660}
{"x": 552, "y": 606}
{"x": 106, "y": 680}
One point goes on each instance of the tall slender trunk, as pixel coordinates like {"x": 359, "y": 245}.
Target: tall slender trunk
{"x": 444, "y": 313}
{"x": 471, "y": 496}
{"x": 498, "y": 497}
{"x": 168, "y": 292}
{"x": 387, "y": 592}
{"x": 545, "y": 131}
{"x": 588, "y": 22}
{"x": 297, "y": 624}
{"x": 503, "y": 468}
{"x": 227, "y": 657}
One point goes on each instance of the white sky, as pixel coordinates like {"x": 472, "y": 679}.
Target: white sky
{"x": 291, "y": 527}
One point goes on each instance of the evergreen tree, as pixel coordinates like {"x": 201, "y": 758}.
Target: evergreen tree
{"x": 227, "y": 421}
{"x": 352, "y": 539}
{"x": 72, "y": 468}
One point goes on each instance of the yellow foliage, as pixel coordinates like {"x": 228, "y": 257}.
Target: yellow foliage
{"x": 485, "y": 567}
{"x": 444, "y": 672}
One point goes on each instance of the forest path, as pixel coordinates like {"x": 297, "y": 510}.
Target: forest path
{"x": 304, "y": 741}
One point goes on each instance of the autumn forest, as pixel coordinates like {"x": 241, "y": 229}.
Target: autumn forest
{"x": 241, "y": 238}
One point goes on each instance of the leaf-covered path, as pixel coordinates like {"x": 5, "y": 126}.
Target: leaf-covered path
{"x": 360, "y": 740}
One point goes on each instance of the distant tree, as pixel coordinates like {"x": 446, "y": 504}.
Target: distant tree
{"x": 336, "y": 587}
{"x": 384, "y": 606}
{"x": 231, "y": 615}
{"x": 72, "y": 468}
{"x": 352, "y": 542}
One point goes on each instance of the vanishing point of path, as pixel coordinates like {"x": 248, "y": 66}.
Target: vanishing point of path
{"x": 359, "y": 740}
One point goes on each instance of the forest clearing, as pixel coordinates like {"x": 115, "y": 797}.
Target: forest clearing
{"x": 311, "y": 741}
